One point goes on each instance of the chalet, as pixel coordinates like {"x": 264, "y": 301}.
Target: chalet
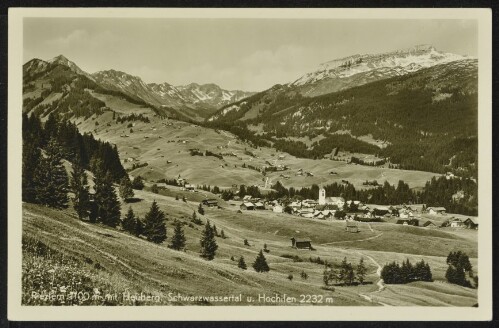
{"x": 247, "y": 206}
{"x": 301, "y": 243}
{"x": 351, "y": 226}
{"x": 309, "y": 203}
{"x": 259, "y": 206}
{"x": 380, "y": 211}
{"x": 210, "y": 202}
{"x": 306, "y": 212}
{"x": 429, "y": 224}
{"x": 414, "y": 222}
{"x": 247, "y": 198}
{"x": 403, "y": 221}
{"x": 436, "y": 210}
{"x": 471, "y": 223}
{"x": 456, "y": 223}
{"x": 278, "y": 208}
{"x": 189, "y": 187}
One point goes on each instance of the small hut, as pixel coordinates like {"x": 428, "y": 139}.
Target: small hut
{"x": 351, "y": 226}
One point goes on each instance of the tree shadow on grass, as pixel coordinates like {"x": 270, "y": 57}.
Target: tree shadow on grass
{"x": 133, "y": 200}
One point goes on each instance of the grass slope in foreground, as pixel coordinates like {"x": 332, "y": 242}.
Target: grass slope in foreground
{"x": 61, "y": 251}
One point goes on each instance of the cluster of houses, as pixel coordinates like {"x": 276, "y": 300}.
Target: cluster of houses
{"x": 325, "y": 208}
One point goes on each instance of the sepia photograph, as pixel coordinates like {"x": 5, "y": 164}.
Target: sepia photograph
{"x": 251, "y": 159}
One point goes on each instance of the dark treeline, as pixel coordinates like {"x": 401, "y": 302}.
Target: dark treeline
{"x": 395, "y": 273}
{"x": 75, "y": 146}
{"x": 132, "y": 117}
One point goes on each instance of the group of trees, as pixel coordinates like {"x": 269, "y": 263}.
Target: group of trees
{"x": 345, "y": 274}
{"x": 394, "y": 273}
{"x": 260, "y": 264}
{"x": 460, "y": 269}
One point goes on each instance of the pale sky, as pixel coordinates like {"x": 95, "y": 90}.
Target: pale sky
{"x": 245, "y": 54}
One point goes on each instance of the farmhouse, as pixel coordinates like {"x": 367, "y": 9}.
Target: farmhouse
{"x": 429, "y": 224}
{"x": 259, "y": 206}
{"x": 278, "y": 209}
{"x": 456, "y": 223}
{"x": 301, "y": 243}
{"x": 403, "y": 222}
{"x": 306, "y": 212}
{"x": 436, "y": 210}
{"x": 247, "y": 206}
{"x": 351, "y": 226}
{"x": 210, "y": 202}
{"x": 471, "y": 223}
{"x": 189, "y": 187}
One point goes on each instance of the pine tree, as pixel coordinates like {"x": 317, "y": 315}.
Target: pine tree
{"x": 31, "y": 159}
{"x": 222, "y": 234}
{"x": 155, "y": 189}
{"x": 260, "y": 264}
{"x": 361, "y": 271}
{"x": 178, "y": 239}
{"x": 51, "y": 179}
{"x": 208, "y": 243}
{"x": 265, "y": 249}
{"x": 342, "y": 276}
{"x": 130, "y": 222}
{"x": 215, "y": 231}
{"x": 200, "y": 209}
{"x": 79, "y": 186}
{"x": 242, "y": 264}
{"x": 108, "y": 206}
{"x": 138, "y": 183}
{"x": 154, "y": 225}
{"x": 126, "y": 190}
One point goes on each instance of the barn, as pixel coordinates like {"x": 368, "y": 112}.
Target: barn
{"x": 247, "y": 206}
{"x": 210, "y": 202}
{"x": 301, "y": 243}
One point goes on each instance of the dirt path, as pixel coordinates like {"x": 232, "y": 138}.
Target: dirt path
{"x": 380, "y": 283}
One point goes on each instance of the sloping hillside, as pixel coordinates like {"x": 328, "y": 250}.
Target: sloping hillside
{"x": 428, "y": 119}
{"x": 114, "y": 261}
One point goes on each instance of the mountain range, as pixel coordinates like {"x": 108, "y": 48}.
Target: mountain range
{"x": 203, "y": 98}
{"x": 419, "y": 103}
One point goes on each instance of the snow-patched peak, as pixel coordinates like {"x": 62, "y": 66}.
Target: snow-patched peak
{"x": 403, "y": 61}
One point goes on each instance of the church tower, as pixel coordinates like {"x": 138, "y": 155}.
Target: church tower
{"x": 322, "y": 196}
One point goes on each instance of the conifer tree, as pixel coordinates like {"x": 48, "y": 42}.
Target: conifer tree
{"x": 200, "y": 209}
{"x": 215, "y": 231}
{"x": 106, "y": 200}
{"x": 126, "y": 190}
{"x": 241, "y": 263}
{"x": 130, "y": 222}
{"x": 154, "y": 225}
{"x": 79, "y": 186}
{"x": 222, "y": 234}
{"x": 138, "y": 183}
{"x": 361, "y": 271}
{"x": 178, "y": 239}
{"x": 260, "y": 264}
{"x": 51, "y": 179}
{"x": 31, "y": 159}
{"x": 208, "y": 243}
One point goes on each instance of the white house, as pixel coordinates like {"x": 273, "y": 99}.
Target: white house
{"x": 278, "y": 209}
{"x": 456, "y": 223}
{"x": 436, "y": 210}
